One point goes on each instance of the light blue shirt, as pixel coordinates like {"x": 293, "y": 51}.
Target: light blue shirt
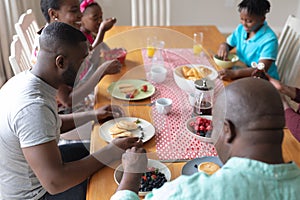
{"x": 263, "y": 45}
{"x": 239, "y": 178}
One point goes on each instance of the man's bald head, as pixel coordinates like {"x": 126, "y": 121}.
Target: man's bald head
{"x": 250, "y": 111}
{"x": 253, "y": 104}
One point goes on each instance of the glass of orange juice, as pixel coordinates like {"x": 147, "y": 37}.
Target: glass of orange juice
{"x": 151, "y": 46}
{"x": 198, "y": 42}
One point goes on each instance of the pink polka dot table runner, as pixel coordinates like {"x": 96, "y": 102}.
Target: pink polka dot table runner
{"x": 173, "y": 141}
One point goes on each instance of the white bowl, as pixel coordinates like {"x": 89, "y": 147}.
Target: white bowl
{"x": 186, "y": 84}
{"x": 151, "y": 163}
{"x": 192, "y": 132}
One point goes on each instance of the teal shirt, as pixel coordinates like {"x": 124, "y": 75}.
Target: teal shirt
{"x": 263, "y": 45}
{"x": 239, "y": 178}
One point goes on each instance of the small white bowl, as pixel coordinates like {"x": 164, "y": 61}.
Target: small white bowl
{"x": 192, "y": 132}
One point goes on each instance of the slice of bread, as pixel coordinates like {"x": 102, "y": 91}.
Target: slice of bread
{"x": 127, "y": 90}
{"x": 208, "y": 167}
{"x": 127, "y": 125}
{"x": 125, "y": 85}
{"x": 123, "y": 134}
{"x": 114, "y": 130}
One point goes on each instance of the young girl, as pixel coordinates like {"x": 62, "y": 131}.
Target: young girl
{"x": 92, "y": 22}
{"x": 68, "y": 11}
{"x": 253, "y": 40}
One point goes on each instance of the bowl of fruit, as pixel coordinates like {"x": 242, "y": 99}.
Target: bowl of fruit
{"x": 200, "y": 127}
{"x": 155, "y": 176}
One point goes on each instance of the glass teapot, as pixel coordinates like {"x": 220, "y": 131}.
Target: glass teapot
{"x": 204, "y": 95}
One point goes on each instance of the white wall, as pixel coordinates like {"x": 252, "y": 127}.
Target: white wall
{"x": 222, "y": 13}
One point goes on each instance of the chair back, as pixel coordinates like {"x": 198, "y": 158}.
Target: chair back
{"x": 27, "y": 29}
{"x": 150, "y": 12}
{"x": 18, "y": 58}
{"x": 288, "y": 60}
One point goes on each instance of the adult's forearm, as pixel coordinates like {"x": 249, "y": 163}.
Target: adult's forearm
{"x": 292, "y": 120}
{"x": 72, "y": 173}
{"x": 130, "y": 181}
{"x": 73, "y": 120}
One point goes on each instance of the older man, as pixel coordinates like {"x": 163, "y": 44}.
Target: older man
{"x": 248, "y": 121}
{"x": 31, "y": 165}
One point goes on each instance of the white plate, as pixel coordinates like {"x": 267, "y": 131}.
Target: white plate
{"x": 191, "y": 166}
{"x": 148, "y": 129}
{"x": 151, "y": 163}
{"x": 114, "y": 91}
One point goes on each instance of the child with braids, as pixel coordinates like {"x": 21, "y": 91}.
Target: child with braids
{"x": 253, "y": 40}
{"x": 92, "y": 24}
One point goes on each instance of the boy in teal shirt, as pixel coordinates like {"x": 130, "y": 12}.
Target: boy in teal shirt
{"x": 253, "y": 40}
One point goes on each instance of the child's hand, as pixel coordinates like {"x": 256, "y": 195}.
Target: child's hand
{"x": 223, "y": 51}
{"x": 107, "y": 24}
{"x": 112, "y": 66}
{"x": 227, "y": 74}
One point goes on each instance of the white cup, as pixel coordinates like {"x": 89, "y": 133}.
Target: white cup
{"x": 158, "y": 74}
{"x": 163, "y": 105}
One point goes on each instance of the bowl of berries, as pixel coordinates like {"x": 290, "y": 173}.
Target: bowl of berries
{"x": 200, "y": 127}
{"x": 155, "y": 176}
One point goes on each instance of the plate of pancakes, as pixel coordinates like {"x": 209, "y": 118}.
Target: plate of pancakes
{"x": 126, "y": 126}
{"x": 131, "y": 89}
{"x": 206, "y": 164}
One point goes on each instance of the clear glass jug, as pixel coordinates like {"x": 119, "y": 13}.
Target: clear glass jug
{"x": 204, "y": 95}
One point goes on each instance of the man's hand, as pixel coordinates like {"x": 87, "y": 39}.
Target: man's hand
{"x": 127, "y": 142}
{"x": 134, "y": 160}
{"x": 119, "y": 145}
{"x": 108, "y": 112}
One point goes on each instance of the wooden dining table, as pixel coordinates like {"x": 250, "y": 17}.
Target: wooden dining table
{"x": 101, "y": 185}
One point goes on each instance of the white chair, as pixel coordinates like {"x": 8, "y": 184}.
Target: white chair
{"x": 288, "y": 60}
{"x": 18, "y": 58}
{"x": 27, "y": 29}
{"x": 150, "y": 12}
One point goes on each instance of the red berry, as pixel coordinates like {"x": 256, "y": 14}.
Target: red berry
{"x": 153, "y": 176}
{"x": 144, "y": 88}
{"x": 196, "y": 127}
{"x": 199, "y": 120}
{"x": 208, "y": 128}
{"x": 131, "y": 96}
{"x": 201, "y": 128}
{"x": 192, "y": 123}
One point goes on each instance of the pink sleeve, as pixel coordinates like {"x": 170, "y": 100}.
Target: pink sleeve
{"x": 297, "y": 98}
{"x": 292, "y": 120}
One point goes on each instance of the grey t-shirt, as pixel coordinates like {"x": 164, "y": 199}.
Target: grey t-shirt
{"x": 28, "y": 118}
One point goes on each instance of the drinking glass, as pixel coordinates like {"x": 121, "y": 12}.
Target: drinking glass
{"x": 198, "y": 43}
{"x": 151, "y": 46}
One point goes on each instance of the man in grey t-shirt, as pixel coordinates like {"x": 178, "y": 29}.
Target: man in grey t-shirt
{"x": 31, "y": 165}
